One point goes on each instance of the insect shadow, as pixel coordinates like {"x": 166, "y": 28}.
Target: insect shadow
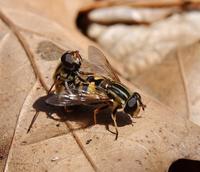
{"x": 82, "y": 114}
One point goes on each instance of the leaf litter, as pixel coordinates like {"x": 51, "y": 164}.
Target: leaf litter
{"x": 158, "y": 138}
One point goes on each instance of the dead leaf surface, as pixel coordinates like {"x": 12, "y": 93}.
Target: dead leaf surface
{"x": 158, "y": 138}
{"x": 16, "y": 80}
{"x": 176, "y": 81}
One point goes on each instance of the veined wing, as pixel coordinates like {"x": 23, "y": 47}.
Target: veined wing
{"x": 79, "y": 98}
{"x": 98, "y": 64}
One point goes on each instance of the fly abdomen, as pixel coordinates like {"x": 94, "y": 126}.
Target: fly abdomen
{"x": 119, "y": 92}
{"x": 88, "y": 87}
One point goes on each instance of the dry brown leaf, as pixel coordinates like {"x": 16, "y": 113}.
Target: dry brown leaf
{"x": 158, "y": 138}
{"x": 175, "y": 81}
{"x": 13, "y": 64}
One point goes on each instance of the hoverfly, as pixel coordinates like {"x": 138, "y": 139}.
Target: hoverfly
{"x": 92, "y": 83}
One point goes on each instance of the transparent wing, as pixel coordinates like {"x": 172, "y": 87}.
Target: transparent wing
{"x": 78, "y": 98}
{"x": 49, "y": 51}
{"x": 98, "y": 64}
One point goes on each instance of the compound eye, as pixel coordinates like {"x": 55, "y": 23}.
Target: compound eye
{"x": 131, "y": 105}
{"x": 67, "y": 59}
{"x": 132, "y": 102}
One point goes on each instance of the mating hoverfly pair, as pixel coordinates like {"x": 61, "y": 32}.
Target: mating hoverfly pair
{"x": 79, "y": 82}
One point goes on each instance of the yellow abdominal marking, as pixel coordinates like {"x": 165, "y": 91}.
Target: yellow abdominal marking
{"x": 91, "y": 87}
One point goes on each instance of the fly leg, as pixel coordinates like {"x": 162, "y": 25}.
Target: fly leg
{"x": 115, "y": 124}
{"x": 33, "y": 120}
{"x": 131, "y": 118}
{"x": 49, "y": 91}
{"x": 114, "y": 116}
{"x": 55, "y": 82}
{"x": 67, "y": 87}
{"x": 139, "y": 99}
{"x": 137, "y": 113}
{"x": 97, "y": 110}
